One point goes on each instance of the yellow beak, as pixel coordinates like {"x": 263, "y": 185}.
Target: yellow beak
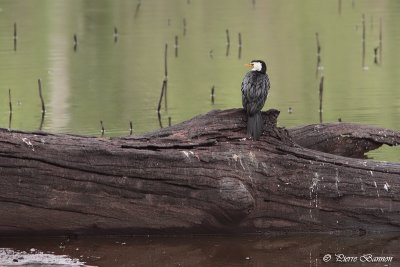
{"x": 248, "y": 65}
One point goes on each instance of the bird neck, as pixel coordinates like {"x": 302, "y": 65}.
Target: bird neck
{"x": 260, "y": 71}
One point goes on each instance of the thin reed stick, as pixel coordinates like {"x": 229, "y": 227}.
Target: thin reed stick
{"x": 102, "y": 128}
{"x": 321, "y": 93}
{"x": 184, "y": 26}
{"x": 159, "y": 120}
{"x": 363, "y": 40}
{"x": 212, "y": 94}
{"x": 161, "y": 95}
{"x": 15, "y": 37}
{"x": 9, "y": 100}
{"x": 380, "y": 40}
{"x": 15, "y": 31}
{"x": 176, "y": 45}
{"x": 115, "y": 34}
{"x": 42, "y": 121}
{"x": 75, "y": 42}
{"x": 41, "y": 96}
{"x": 318, "y": 43}
{"x": 165, "y": 61}
{"x": 166, "y": 76}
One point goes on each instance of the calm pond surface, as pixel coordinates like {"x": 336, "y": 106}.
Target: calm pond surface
{"x": 257, "y": 251}
{"x": 118, "y": 81}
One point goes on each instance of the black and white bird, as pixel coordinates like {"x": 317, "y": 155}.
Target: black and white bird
{"x": 255, "y": 87}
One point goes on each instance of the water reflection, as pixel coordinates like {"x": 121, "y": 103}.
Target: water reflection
{"x": 298, "y": 250}
{"x": 59, "y": 86}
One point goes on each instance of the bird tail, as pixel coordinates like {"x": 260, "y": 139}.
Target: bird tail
{"x": 255, "y": 125}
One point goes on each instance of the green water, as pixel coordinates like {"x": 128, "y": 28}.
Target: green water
{"x": 118, "y": 82}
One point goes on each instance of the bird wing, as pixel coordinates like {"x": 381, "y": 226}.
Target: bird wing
{"x": 246, "y": 86}
{"x": 255, "y": 87}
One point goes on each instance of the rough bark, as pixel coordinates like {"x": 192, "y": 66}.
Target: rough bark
{"x": 345, "y": 139}
{"x": 200, "y": 176}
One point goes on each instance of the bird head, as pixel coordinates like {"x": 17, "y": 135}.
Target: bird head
{"x": 257, "y": 65}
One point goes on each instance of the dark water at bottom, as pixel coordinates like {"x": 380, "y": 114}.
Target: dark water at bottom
{"x": 298, "y": 250}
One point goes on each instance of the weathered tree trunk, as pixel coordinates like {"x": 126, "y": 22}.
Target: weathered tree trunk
{"x": 200, "y": 176}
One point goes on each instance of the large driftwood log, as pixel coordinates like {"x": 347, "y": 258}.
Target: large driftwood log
{"x": 200, "y": 176}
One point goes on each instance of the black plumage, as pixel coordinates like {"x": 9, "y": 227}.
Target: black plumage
{"x": 255, "y": 87}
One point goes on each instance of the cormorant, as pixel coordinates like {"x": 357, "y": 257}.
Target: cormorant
{"x": 255, "y": 87}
